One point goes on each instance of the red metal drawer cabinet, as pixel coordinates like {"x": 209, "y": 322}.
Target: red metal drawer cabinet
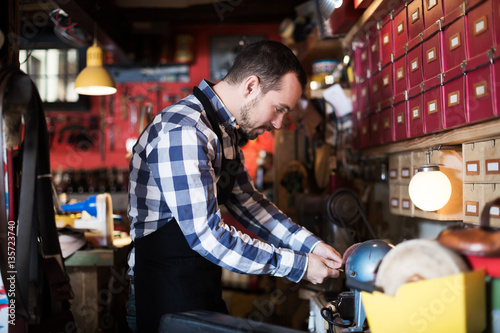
{"x": 496, "y": 20}
{"x": 415, "y": 19}
{"x": 354, "y": 97}
{"x": 386, "y": 78}
{"x": 400, "y": 75}
{"x": 400, "y": 29}
{"x": 376, "y": 88}
{"x": 387, "y": 40}
{"x": 431, "y": 52}
{"x": 450, "y": 5}
{"x": 479, "y": 89}
{"x": 400, "y": 119}
{"x": 375, "y": 129}
{"x": 364, "y": 97}
{"x": 374, "y": 49}
{"x": 454, "y": 49}
{"x": 365, "y": 61}
{"x": 364, "y": 132}
{"x": 455, "y": 113}
{"x": 433, "y": 105}
{"x": 414, "y": 58}
{"x": 415, "y": 112}
{"x": 479, "y": 29}
{"x": 496, "y": 84}
{"x": 433, "y": 11}
{"x": 386, "y": 126}
{"x": 356, "y": 62}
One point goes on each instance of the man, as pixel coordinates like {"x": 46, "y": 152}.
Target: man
{"x": 186, "y": 163}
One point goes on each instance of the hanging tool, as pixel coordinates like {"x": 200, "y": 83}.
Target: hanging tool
{"x": 146, "y": 116}
{"x": 124, "y": 103}
{"x": 157, "y": 89}
{"x": 134, "y": 111}
{"x": 110, "y": 122}
{"x": 102, "y": 127}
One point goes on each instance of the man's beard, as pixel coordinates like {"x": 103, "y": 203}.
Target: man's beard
{"x": 244, "y": 123}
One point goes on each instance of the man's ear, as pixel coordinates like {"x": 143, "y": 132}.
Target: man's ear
{"x": 251, "y": 86}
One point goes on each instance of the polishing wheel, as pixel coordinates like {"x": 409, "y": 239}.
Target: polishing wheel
{"x": 415, "y": 260}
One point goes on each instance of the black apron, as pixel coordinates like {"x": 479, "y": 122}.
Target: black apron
{"x": 168, "y": 275}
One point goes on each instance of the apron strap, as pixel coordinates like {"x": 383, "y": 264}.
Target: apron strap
{"x": 226, "y": 182}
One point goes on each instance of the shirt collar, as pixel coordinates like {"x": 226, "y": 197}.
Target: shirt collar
{"x": 219, "y": 107}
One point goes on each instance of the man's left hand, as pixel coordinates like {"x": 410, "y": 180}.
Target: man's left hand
{"x": 326, "y": 251}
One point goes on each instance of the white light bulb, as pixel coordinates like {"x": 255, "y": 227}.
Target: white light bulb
{"x": 430, "y": 190}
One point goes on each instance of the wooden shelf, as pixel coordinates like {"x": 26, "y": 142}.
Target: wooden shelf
{"x": 469, "y": 133}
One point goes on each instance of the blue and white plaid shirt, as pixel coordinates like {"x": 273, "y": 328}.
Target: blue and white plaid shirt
{"x": 174, "y": 170}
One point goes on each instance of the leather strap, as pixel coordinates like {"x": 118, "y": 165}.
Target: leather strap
{"x": 4, "y": 77}
{"x": 36, "y": 220}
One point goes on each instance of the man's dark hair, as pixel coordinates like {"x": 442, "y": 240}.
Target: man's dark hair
{"x": 269, "y": 61}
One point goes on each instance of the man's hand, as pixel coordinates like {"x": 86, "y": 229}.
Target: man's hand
{"x": 323, "y": 263}
{"x": 326, "y": 251}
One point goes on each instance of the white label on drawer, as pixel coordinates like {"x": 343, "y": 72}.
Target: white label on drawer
{"x": 375, "y": 87}
{"x": 471, "y": 208}
{"x": 414, "y": 16}
{"x": 432, "y": 3}
{"x": 386, "y": 39}
{"x": 393, "y": 173}
{"x": 495, "y": 211}
{"x": 354, "y": 97}
{"x": 479, "y": 26}
{"x": 455, "y": 41}
{"x": 471, "y": 167}
{"x": 363, "y": 56}
{"x": 492, "y": 166}
{"x": 432, "y": 107}
{"x": 415, "y": 113}
{"x": 374, "y": 47}
{"x": 453, "y": 99}
{"x": 405, "y": 173}
{"x": 414, "y": 65}
{"x": 406, "y": 203}
{"x": 400, "y": 27}
{"x": 480, "y": 90}
{"x": 400, "y": 74}
{"x": 399, "y": 118}
{"x": 394, "y": 202}
{"x": 385, "y": 80}
{"x": 375, "y": 127}
{"x": 431, "y": 55}
{"x": 363, "y": 92}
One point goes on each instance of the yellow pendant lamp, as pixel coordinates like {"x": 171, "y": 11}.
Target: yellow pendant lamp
{"x": 95, "y": 79}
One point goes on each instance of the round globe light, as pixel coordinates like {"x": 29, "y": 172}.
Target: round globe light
{"x": 430, "y": 189}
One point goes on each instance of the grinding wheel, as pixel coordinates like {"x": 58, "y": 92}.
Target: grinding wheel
{"x": 415, "y": 260}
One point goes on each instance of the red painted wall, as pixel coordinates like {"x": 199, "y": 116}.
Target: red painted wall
{"x": 65, "y": 155}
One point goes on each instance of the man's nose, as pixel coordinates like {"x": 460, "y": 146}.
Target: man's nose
{"x": 278, "y": 121}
